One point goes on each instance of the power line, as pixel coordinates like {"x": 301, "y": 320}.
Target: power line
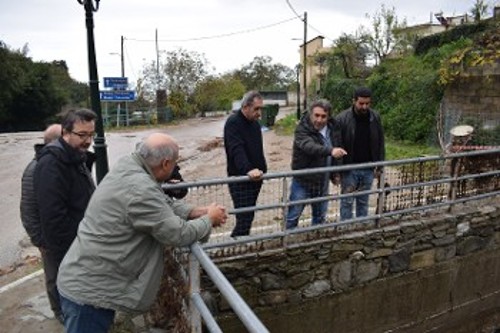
{"x": 319, "y": 32}
{"x": 293, "y": 10}
{"x": 309, "y": 25}
{"x": 129, "y": 61}
{"x": 216, "y": 36}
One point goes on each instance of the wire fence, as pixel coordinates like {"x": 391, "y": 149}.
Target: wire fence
{"x": 404, "y": 185}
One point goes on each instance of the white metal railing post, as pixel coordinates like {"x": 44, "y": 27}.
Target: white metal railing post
{"x": 381, "y": 197}
{"x": 242, "y": 310}
{"x": 285, "y": 201}
{"x": 194, "y": 288}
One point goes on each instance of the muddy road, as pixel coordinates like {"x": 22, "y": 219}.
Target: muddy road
{"x": 196, "y": 162}
{"x": 16, "y": 150}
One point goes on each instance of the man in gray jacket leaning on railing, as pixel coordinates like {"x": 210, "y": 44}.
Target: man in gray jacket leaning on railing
{"x": 116, "y": 260}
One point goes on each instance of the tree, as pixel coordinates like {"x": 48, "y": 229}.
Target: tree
{"x": 381, "y": 40}
{"x": 479, "y": 10}
{"x": 32, "y": 93}
{"x": 178, "y": 71}
{"x": 217, "y": 93}
{"x": 262, "y": 74}
{"x": 348, "y": 57}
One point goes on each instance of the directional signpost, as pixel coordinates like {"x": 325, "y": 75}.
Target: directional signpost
{"x": 119, "y": 83}
{"x": 118, "y": 92}
{"x": 117, "y": 95}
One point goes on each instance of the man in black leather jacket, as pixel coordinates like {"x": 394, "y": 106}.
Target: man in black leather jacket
{"x": 363, "y": 139}
{"x": 316, "y": 144}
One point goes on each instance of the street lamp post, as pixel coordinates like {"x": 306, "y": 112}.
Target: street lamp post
{"x": 99, "y": 141}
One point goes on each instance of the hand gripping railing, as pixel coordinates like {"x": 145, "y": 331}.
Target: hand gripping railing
{"x": 199, "y": 257}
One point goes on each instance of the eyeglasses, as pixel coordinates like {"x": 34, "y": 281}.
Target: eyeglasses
{"x": 84, "y": 136}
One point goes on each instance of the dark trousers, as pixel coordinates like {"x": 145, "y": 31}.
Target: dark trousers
{"x": 244, "y": 195}
{"x": 51, "y": 261}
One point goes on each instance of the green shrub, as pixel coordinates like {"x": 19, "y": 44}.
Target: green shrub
{"x": 425, "y": 44}
{"x": 407, "y": 96}
{"x": 286, "y": 125}
{"x": 339, "y": 92}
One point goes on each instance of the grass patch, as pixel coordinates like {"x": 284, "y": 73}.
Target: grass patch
{"x": 397, "y": 150}
{"x": 286, "y": 125}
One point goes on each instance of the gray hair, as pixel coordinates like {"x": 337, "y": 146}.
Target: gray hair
{"x": 154, "y": 156}
{"x": 324, "y": 104}
{"x": 249, "y": 98}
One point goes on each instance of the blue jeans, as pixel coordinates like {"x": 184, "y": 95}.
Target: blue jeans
{"x": 352, "y": 181}
{"x": 82, "y": 318}
{"x": 300, "y": 191}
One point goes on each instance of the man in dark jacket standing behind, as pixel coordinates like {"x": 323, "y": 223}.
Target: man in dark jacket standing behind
{"x": 363, "y": 139}
{"x": 316, "y": 144}
{"x": 245, "y": 157}
{"x": 31, "y": 219}
{"x": 63, "y": 187}
{"x": 28, "y": 207}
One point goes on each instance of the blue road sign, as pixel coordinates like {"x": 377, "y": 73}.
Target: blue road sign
{"x": 116, "y": 82}
{"x": 117, "y": 95}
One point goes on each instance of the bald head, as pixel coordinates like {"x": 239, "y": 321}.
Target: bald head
{"x": 52, "y": 133}
{"x": 158, "y": 147}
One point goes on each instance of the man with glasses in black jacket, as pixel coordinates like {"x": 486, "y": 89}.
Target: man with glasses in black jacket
{"x": 63, "y": 186}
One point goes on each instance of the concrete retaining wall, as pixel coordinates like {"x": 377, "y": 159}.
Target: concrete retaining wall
{"x": 432, "y": 271}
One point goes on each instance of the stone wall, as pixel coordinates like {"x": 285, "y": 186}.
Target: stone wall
{"x": 476, "y": 94}
{"x": 426, "y": 271}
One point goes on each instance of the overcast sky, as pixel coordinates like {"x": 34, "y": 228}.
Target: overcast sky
{"x": 55, "y": 29}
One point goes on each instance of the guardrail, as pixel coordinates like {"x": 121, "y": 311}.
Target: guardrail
{"x": 199, "y": 257}
{"x": 405, "y": 187}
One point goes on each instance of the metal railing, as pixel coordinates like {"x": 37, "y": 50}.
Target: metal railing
{"x": 423, "y": 183}
{"x": 242, "y": 310}
{"x": 405, "y": 187}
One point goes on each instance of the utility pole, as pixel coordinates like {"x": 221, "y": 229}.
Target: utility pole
{"x": 305, "y": 61}
{"x": 157, "y": 61}
{"x": 123, "y": 75}
{"x": 297, "y": 69}
{"x": 121, "y": 57}
{"x": 161, "y": 93}
{"x": 99, "y": 141}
